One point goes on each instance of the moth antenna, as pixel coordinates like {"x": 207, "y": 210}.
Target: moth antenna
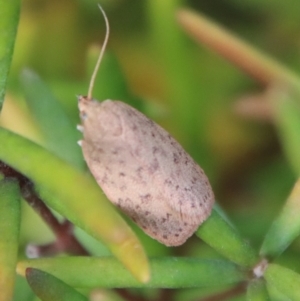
{"x": 92, "y": 81}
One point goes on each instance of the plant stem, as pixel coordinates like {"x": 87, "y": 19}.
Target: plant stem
{"x": 257, "y": 64}
{"x": 66, "y": 241}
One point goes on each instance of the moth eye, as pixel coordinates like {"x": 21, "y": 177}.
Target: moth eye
{"x": 83, "y": 115}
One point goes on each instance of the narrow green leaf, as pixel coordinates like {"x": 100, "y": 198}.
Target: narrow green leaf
{"x": 167, "y": 272}
{"x": 75, "y": 196}
{"x": 285, "y": 228}
{"x": 184, "y": 92}
{"x": 257, "y": 291}
{"x": 59, "y": 132}
{"x": 275, "y": 294}
{"x": 287, "y": 118}
{"x": 284, "y": 280}
{"x": 9, "y": 236}
{"x": 9, "y": 19}
{"x": 49, "y": 288}
{"x": 221, "y": 236}
{"x": 22, "y": 292}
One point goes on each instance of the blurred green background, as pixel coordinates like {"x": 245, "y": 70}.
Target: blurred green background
{"x": 191, "y": 91}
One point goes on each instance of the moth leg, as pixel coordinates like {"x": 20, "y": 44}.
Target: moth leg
{"x": 79, "y": 127}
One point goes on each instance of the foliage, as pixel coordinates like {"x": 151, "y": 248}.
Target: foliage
{"x": 247, "y": 143}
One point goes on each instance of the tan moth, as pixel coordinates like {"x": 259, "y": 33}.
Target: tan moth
{"x": 142, "y": 169}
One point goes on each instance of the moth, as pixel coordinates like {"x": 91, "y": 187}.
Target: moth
{"x": 142, "y": 169}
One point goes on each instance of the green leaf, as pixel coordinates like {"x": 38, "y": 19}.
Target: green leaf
{"x": 284, "y": 280}
{"x": 167, "y": 272}
{"x": 286, "y": 109}
{"x": 184, "y": 92}
{"x": 257, "y": 290}
{"x": 49, "y": 288}
{"x": 9, "y": 236}
{"x": 276, "y": 295}
{"x": 9, "y": 19}
{"x": 22, "y": 292}
{"x": 221, "y": 236}
{"x": 285, "y": 228}
{"x": 77, "y": 197}
{"x": 59, "y": 132}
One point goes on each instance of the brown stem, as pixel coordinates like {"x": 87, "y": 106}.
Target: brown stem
{"x": 126, "y": 295}
{"x": 34, "y": 201}
{"x": 65, "y": 239}
{"x": 165, "y": 294}
{"x": 258, "y": 65}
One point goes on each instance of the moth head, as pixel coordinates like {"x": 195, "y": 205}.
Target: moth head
{"x": 83, "y": 102}
{"x": 99, "y": 119}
